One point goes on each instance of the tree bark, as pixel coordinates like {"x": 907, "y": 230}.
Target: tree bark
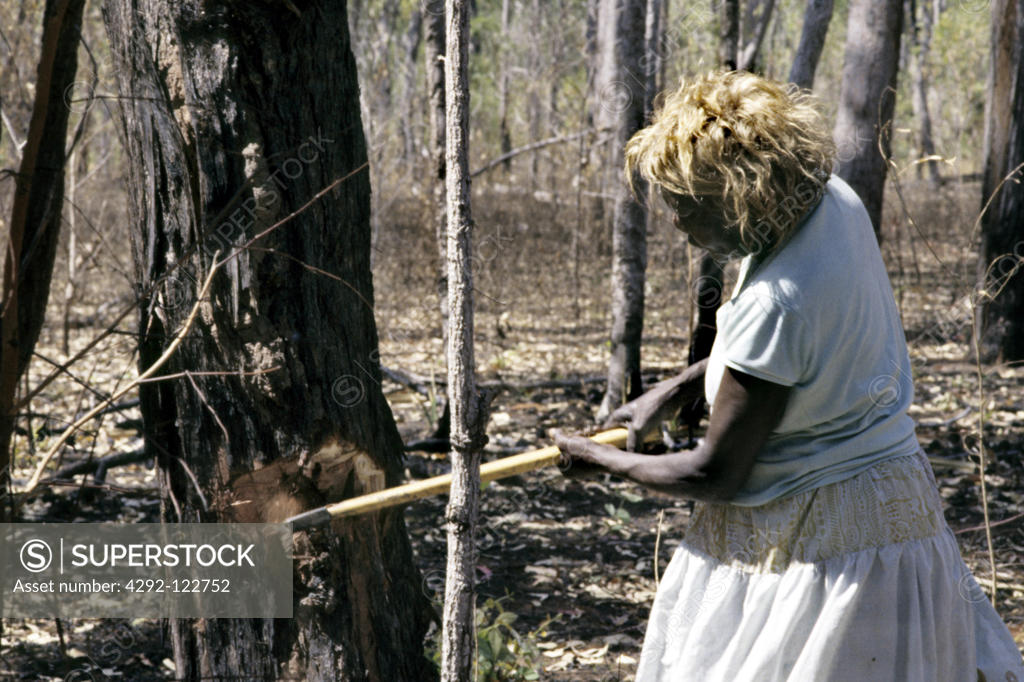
{"x": 1002, "y": 225}
{"x": 623, "y": 101}
{"x": 921, "y": 41}
{"x": 867, "y": 99}
{"x": 236, "y": 117}
{"x": 36, "y": 212}
{"x": 652, "y": 55}
{"x": 468, "y": 411}
{"x": 728, "y": 33}
{"x": 413, "y": 38}
{"x": 755, "y": 27}
{"x": 706, "y": 292}
{"x": 434, "y": 54}
{"x": 435, "y": 58}
{"x": 504, "y": 134}
{"x": 817, "y": 17}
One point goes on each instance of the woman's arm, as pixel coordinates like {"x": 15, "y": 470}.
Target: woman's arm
{"x": 662, "y": 401}
{"x": 746, "y": 411}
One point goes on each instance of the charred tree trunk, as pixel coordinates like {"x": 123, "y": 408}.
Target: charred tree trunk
{"x": 623, "y": 101}
{"x": 434, "y": 53}
{"x": 468, "y": 411}
{"x": 1002, "y": 225}
{"x": 817, "y": 17}
{"x": 36, "y": 212}
{"x": 868, "y": 98}
{"x": 235, "y": 118}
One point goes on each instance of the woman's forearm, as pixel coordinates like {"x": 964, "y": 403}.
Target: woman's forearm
{"x": 687, "y": 386}
{"x": 683, "y": 473}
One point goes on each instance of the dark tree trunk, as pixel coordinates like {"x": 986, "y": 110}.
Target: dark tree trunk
{"x": 728, "y": 33}
{"x": 653, "y": 31}
{"x": 36, "y": 211}
{"x": 755, "y": 26}
{"x": 503, "y": 66}
{"x": 817, "y": 17}
{"x": 236, "y": 116}
{"x": 868, "y": 98}
{"x": 1002, "y": 225}
{"x": 434, "y": 53}
{"x": 622, "y": 99}
{"x": 706, "y": 292}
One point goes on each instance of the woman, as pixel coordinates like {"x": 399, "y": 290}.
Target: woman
{"x": 818, "y": 550}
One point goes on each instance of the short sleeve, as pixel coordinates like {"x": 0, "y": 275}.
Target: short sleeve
{"x": 765, "y": 338}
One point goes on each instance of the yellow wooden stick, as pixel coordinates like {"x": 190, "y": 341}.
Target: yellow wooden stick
{"x": 492, "y": 471}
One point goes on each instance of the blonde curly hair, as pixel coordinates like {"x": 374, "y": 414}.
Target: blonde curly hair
{"x": 757, "y": 146}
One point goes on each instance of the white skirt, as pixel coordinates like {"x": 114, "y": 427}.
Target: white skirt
{"x": 861, "y": 580}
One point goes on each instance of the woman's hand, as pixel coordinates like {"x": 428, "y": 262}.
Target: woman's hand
{"x": 747, "y": 409}
{"x": 643, "y": 415}
{"x": 582, "y": 457}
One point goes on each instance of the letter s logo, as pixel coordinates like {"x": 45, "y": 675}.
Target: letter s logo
{"x": 36, "y": 555}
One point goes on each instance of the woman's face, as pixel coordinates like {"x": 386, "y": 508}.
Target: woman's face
{"x": 702, "y": 220}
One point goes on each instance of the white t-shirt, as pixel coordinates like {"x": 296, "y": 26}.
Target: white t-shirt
{"x": 819, "y": 315}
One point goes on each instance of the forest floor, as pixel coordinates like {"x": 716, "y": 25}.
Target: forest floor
{"x": 566, "y": 569}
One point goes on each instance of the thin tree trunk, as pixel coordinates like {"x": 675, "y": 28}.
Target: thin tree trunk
{"x": 435, "y": 57}
{"x": 706, "y": 292}
{"x": 1002, "y": 225}
{"x": 662, "y": 47}
{"x": 468, "y": 411}
{"x": 503, "y": 58}
{"x": 230, "y": 129}
{"x": 817, "y": 17}
{"x": 625, "y": 97}
{"x": 413, "y": 38}
{"x": 434, "y": 54}
{"x": 755, "y": 26}
{"x": 868, "y": 98}
{"x": 921, "y": 41}
{"x": 36, "y": 212}
{"x": 728, "y": 33}
{"x": 652, "y": 55}
{"x": 72, "y": 255}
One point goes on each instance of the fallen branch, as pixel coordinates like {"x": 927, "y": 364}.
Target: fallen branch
{"x": 951, "y": 463}
{"x": 991, "y": 525}
{"x": 98, "y": 467}
{"x": 420, "y": 383}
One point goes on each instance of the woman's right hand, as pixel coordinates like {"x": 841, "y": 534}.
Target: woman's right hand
{"x": 643, "y": 415}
